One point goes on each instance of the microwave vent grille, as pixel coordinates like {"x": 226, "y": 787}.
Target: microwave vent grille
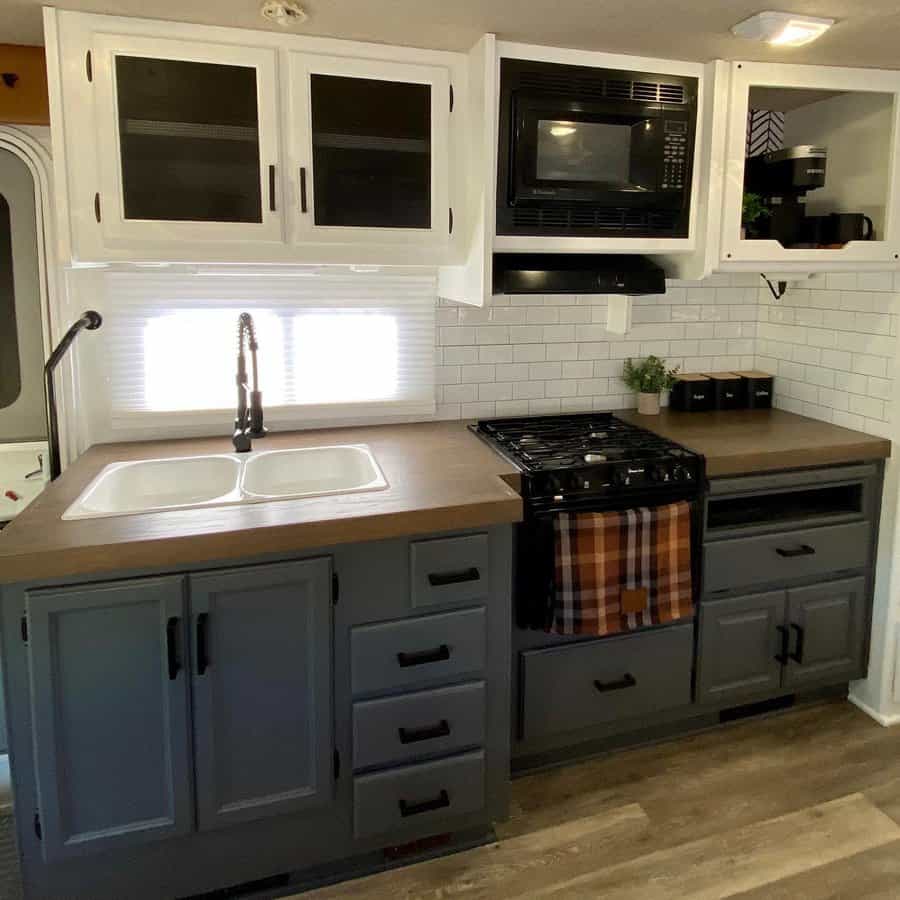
{"x": 598, "y": 219}
{"x": 599, "y": 88}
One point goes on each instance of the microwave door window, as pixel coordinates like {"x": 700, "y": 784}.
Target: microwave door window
{"x": 599, "y": 153}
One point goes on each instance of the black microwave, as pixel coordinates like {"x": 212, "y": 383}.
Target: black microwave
{"x": 594, "y": 152}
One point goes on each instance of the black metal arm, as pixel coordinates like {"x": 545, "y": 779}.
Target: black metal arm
{"x": 90, "y": 320}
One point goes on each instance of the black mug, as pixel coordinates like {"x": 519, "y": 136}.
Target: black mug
{"x": 839, "y": 228}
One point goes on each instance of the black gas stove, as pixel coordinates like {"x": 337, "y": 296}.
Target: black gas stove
{"x": 591, "y": 455}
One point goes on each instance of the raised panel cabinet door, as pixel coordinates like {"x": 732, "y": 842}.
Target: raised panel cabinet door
{"x": 741, "y": 640}
{"x": 370, "y": 150}
{"x": 827, "y": 623}
{"x": 110, "y": 714}
{"x": 262, "y": 691}
{"x": 188, "y": 141}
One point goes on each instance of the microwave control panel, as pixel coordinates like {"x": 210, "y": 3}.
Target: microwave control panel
{"x": 675, "y": 146}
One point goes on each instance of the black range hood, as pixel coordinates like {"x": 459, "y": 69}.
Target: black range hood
{"x": 576, "y": 273}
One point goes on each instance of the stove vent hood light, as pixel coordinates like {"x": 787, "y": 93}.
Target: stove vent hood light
{"x": 576, "y": 273}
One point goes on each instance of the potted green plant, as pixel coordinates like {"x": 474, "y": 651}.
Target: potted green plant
{"x": 753, "y": 208}
{"x": 648, "y": 378}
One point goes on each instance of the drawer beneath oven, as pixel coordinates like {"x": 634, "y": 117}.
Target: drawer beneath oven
{"x": 775, "y": 558}
{"x": 580, "y": 685}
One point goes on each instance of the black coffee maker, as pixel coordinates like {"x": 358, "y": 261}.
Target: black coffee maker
{"x": 782, "y": 178}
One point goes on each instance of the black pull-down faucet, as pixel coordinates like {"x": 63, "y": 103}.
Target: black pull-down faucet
{"x": 248, "y": 422}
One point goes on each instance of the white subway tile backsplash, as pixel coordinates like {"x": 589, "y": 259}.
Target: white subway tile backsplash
{"x": 830, "y": 344}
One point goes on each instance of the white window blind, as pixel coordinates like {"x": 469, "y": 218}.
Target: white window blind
{"x": 332, "y": 346}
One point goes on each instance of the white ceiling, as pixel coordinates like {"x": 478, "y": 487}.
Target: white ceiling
{"x": 867, "y": 34}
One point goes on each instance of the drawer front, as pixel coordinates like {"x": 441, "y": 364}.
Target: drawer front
{"x": 417, "y": 651}
{"x": 418, "y": 799}
{"x": 580, "y": 685}
{"x": 399, "y": 729}
{"x": 449, "y": 570}
{"x": 775, "y": 558}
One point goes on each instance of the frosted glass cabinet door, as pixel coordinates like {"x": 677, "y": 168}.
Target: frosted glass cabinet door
{"x": 188, "y": 141}
{"x": 370, "y": 141}
{"x": 110, "y": 714}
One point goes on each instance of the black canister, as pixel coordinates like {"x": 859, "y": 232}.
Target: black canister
{"x": 757, "y": 389}
{"x": 692, "y": 393}
{"x": 727, "y": 389}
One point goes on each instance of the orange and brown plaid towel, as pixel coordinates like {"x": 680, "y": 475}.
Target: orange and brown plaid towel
{"x": 616, "y": 571}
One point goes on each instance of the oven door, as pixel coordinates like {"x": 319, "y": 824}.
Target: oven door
{"x": 570, "y": 151}
{"x": 535, "y": 548}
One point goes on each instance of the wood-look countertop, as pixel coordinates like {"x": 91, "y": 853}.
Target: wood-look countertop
{"x": 440, "y": 476}
{"x": 746, "y": 441}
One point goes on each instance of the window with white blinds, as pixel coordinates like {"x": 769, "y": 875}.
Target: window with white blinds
{"x": 332, "y": 346}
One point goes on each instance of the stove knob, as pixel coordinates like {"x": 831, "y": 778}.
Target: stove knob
{"x": 658, "y": 474}
{"x": 679, "y": 473}
{"x": 620, "y": 478}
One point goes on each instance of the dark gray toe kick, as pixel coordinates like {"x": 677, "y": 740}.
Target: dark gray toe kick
{"x": 418, "y": 798}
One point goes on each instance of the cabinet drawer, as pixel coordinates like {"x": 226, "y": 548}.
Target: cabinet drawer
{"x": 417, "y": 651}
{"x": 580, "y": 685}
{"x": 420, "y": 798}
{"x": 449, "y": 570}
{"x": 398, "y": 729}
{"x": 774, "y": 558}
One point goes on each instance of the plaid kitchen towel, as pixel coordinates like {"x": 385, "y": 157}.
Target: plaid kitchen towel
{"x": 617, "y": 571}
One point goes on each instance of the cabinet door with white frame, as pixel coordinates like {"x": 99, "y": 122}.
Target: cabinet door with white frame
{"x": 369, "y": 150}
{"x": 188, "y": 144}
{"x": 840, "y": 119}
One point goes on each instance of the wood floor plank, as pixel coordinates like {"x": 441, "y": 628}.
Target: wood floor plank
{"x": 872, "y": 874}
{"x": 504, "y": 869}
{"x": 740, "y": 860}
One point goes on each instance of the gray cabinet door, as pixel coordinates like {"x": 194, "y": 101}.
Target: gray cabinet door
{"x": 262, "y": 691}
{"x": 827, "y": 623}
{"x": 110, "y": 714}
{"x": 740, "y": 640}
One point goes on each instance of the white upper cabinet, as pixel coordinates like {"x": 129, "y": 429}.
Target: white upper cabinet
{"x": 188, "y": 143}
{"x": 368, "y": 143}
{"x": 818, "y": 147}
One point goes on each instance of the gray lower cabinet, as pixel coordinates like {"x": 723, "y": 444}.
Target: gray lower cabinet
{"x": 261, "y": 687}
{"x": 109, "y": 707}
{"x": 805, "y": 637}
{"x": 827, "y": 623}
{"x": 739, "y": 641}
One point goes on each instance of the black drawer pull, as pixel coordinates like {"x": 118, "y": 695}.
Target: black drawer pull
{"x": 423, "y": 657}
{"x": 414, "y": 735}
{"x": 627, "y": 681}
{"x": 413, "y": 809}
{"x": 171, "y": 650}
{"x": 797, "y": 655}
{"x": 782, "y": 657}
{"x": 439, "y": 579}
{"x": 202, "y": 649}
{"x": 802, "y": 550}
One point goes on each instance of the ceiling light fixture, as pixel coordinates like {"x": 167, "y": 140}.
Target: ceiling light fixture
{"x": 782, "y": 29}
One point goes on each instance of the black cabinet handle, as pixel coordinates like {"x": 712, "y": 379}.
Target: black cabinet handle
{"x": 171, "y": 647}
{"x": 413, "y": 809}
{"x": 202, "y": 648}
{"x": 797, "y": 655}
{"x": 627, "y": 681}
{"x": 423, "y": 657}
{"x": 303, "y": 189}
{"x": 782, "y": 657}
{"x": 439, "y": 579}
{"x": 414, "y": 735}
{"x": 802, "y": 550}
{"x": 271, "y": 188}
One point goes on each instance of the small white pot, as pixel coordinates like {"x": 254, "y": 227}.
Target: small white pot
{"x": 648, "y": 404}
